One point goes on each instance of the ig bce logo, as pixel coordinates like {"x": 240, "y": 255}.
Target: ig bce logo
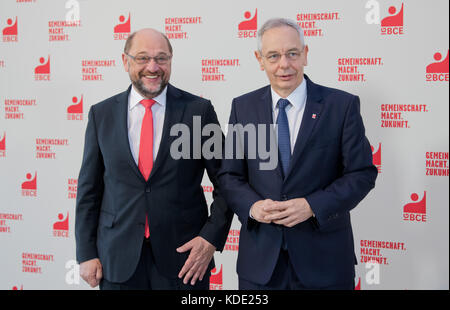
{"x": 392, "y": 24}
{"x": 248, "y": 28}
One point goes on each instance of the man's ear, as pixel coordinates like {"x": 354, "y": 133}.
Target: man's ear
{"x": 125, "y": 62}
{"x": 260, "y": 60}
{"x": 306, "y": 50}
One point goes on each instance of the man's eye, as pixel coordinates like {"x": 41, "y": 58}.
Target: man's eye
{"x": 142, "y": 59}
{"x": 273, "y": 56}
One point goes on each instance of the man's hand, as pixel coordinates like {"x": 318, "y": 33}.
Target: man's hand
{"x": 195, "y": 266}
{"x": 91, "y": 271}
{"x": 288, "y": 213}
{"x": 261, "y": 209}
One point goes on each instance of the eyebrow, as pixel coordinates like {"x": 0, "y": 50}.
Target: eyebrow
{"x": 145, "y": 54}
{"x": 294, "y": 49}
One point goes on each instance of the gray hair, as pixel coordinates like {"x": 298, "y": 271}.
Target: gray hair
{"x": 279, "y": 22}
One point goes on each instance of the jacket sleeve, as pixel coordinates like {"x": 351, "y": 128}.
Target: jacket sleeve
{"x": 89, "y": 194}
{"x": 218, "y": 224}
{"x": 359, "y": 173}
{"x": 233, "y": 176}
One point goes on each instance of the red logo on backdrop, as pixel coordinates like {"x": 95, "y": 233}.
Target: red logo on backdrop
{"x": 75, "y": 111}
{"x": 438, "y": 71}
{"x": 248, "y": 28}
{"x": 207, "y": 188}
{"x": 393, "y": 24}
{"x": 10, "y": 31}
{"x": 90, "y": 68}
{"x": 3, "y": 146}
{"x": 16, "y": 288}
{"x": 6, "y": 218}
{"x": 416, "y": 210}
{"x": 42, "y": 72}
{"x": 72, "y": 185}
{"x": 57, "y": 28}
{"x": 14, "y": 108}
{"x": 216, "y": 279}
{"x": 175, "y": 26}
{"x": 232, "y": 243}
{"x": 373, "y": 251}
{"x": 61, "y": 227}
{"x": 122, "y": 30}
{"x": 29, "y": 187}
{"x": 211, "y": 69}
{"x": 31, "y": 261}
{"x": 45, "y": 147}
{"x": 393, "y": 115}
{"x": 436, "y": 164}
{"x": 376, "y": 155}
{"x": 358, "y": 286}
{"x": 351, "y": 69}
{"x": 312, "y": 23}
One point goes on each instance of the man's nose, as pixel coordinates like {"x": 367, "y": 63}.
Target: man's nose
{"x": 284, "y": 62}
{"x": 152, "y": 66}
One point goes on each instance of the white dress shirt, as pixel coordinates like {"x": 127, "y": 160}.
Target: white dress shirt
{"x": 136, "y": 113}
{"x": 294, "y": 111}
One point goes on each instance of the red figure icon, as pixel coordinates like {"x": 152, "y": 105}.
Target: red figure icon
{"x": 44, "y": 68}
{"x": 2, "y": 143}
{"x": 62, "y": 224}
{"x": 11, "y": 30}
{"x": 249, "y": 24}
{"x": 377, "y": 155}
{"x": 124, "y": 27}
{"x": 216, "y": 276}
{"x": 439, "y": 66}
{"x": 416, "y": 207}
{"x": 393, "y": 20}
{"x": 31, "y": 183}
{"x": 76, "y": 107}
{"x": 358, "y": 286}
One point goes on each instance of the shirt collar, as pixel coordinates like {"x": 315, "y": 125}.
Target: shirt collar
{"x": 135, "y": 98}
{"x": 297, "y": 98}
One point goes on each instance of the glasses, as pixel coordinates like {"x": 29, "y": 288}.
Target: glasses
{"x": 291, "y": 56}
{"x": 143, "y": 60}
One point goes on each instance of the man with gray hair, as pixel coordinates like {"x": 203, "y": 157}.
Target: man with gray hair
{"x": 296, "y": 231}
{"x": 142, "y": 220}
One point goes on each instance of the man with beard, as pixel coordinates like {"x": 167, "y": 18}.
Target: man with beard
{"x": 141, "y": 217}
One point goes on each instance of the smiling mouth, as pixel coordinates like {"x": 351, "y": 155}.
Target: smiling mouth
{"x": 151, "y": 77}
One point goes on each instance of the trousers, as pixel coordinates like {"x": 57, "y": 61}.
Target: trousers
{"x": 147, "y": 277}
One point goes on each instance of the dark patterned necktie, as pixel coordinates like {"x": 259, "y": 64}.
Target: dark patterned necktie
{"x": 284, "y": 141}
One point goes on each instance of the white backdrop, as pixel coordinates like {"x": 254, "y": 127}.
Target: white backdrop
{"x": 57, "y": 58}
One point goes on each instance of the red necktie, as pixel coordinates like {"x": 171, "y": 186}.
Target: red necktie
{"x": 146, "y": 147}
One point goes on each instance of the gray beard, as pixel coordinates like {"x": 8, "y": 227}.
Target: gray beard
{"x": 145, "y": 92}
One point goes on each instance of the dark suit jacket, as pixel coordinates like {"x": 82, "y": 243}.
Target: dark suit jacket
{"x": 113, "y": 197}
{"x": 331, "y": 167}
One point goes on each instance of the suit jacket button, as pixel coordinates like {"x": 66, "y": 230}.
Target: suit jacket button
{"x": 147, "y": 190}
{"x": 284, "y": 197}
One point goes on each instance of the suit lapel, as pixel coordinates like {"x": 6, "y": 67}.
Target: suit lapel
{"x": 173, "y": 115}
{"x": 265, "y": 116}
{"x": 310, "y": 118}
{"x": 123, "y": 140}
